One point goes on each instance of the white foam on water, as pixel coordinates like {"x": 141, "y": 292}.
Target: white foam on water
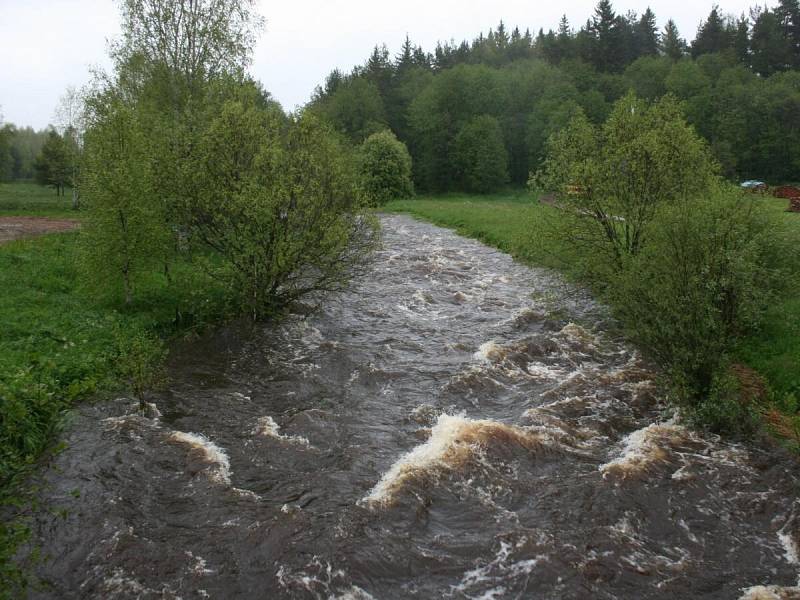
{"x": 421, "y": 297}
{"x": 149, "y": 410}
{"x": 525, "y": 315}
{"x": 577, "y": 333}
{"x": 543, "y": 371}
{"x": 496, "y": 574}
{"x": 321, "y": 580}
{"x": 354, "y": 593}
{"x": 770, "y": 592}
{"x": 209, "y": 451}
{"x": 490, "y": 352}
{"x": 643, "y": 448}
{"x": 423, "y": 414}
{"x": 119, "y": 583}
{"x": 199, "y": 565}
{"x": 790, "y": 548}
{"x": 267, "y": 427}
{"x": 454, "y": 440}
{"x": 246, "y": 493}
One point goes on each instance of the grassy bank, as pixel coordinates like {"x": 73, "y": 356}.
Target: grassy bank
{"x": 516, "y": 224}
{"x": 60, "y": 344}
{"x": 18, "y": 199}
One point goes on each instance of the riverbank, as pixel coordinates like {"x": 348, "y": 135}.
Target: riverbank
{"x": 515, "y": 223}
{"x": 60, "y": 345}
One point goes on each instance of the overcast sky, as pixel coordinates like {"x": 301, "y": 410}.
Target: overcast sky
{"x": 47, "y": 45}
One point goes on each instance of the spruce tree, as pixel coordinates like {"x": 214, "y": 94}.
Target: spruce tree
{"x": 672, "y": 44}
{"x": 608, "y": 52}
{"x": 788, "y": 14}
{"x": 647, "y": 37}
{"x": 741, "y": 41}
{"x": 712, "y": 35}
{"x": 771, "y": 51}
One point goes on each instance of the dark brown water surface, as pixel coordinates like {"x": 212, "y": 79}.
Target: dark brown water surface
{"x": 457, "y": 426}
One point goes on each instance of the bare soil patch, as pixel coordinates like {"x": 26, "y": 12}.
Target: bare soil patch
{"x": 14, "y": 228}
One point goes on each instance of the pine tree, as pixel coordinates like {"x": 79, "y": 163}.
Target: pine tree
{"x": 672, "y": 44}
{"x": 712, "y": 35}
{"x": 379, "y": 69}
{"x": 564, "y": 40}
{"x": 771, "y": 51}
{"x": 53, "y": 165}
{"x": 405, "y": 59}
{"x": 741, "y": 41}
{"x": 501, "y": 37}
{"x": 609, "y": 51}
{"x": 422, "y": 58}
{"x": 788, "y": 14}
{"x": 647, "y": 34}
{"x": 564, "y": 29}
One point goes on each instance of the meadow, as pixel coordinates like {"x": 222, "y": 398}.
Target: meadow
{"x": 32, "y": 199}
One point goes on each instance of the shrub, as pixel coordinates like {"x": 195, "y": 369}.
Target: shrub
{"x": 612, "y": 180}
{"x": 480, "y": 156}
{"x": 701, "y": 282}
{"x": 277, "y": 206}
{"x": 385, "y": 169}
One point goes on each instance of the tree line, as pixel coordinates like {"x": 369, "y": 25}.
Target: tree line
{"x": 19, "y": 148}
{"x": 476, "y": 115}
{"x": 49, "y": 156}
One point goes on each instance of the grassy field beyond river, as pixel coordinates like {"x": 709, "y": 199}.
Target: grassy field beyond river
{"x": 517, "y": 224}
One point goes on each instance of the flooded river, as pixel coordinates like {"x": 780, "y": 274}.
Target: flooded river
{"x": 457, "y": 426}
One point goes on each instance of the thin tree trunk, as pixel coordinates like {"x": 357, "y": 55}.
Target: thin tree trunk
{"x": 127, "y": 280}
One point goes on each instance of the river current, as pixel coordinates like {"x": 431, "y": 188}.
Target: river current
{"x": 455, "y": 426}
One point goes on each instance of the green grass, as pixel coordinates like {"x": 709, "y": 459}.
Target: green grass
{"x": 18, "y": 199}
{"x": 775, "y": 352}
{"x": 515, "y": 223}
{"x": 510, "y": 221}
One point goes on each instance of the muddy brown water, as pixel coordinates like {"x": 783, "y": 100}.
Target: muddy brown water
{"x": 456, "y": 426}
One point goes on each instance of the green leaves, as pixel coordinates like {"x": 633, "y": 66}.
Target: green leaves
{"x": 613, "y": 178}
{"x": 278, "y": 205}
{"x": 385, "y": 169}
{"x": 480, "y": 156}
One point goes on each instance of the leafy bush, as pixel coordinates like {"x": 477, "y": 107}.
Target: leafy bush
{"x": 701, "y": 282}
{"x": 385, "y": 168}
{"x": 139, "y": 361}
{"x": 480, "y": 155}
{"x": 613, "y": 179}
{"x": 126, "y": 232}
{"x": 723, "y": 409}
{"x": 277, "y": 205}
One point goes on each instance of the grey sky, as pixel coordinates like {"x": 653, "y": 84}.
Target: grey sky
{"x": 47, "y": 45}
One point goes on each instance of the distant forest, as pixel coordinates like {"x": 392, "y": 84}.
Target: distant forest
{"x": 19, "y": 149}
{"x": 505, "y": 92}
